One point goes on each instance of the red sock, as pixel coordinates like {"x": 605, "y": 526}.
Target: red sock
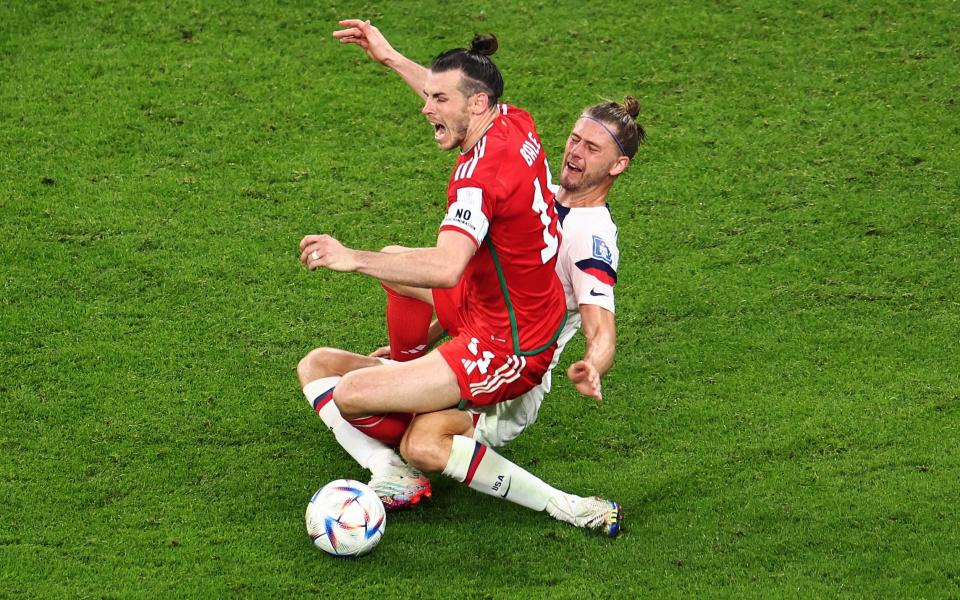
{"x": 388, "y": 428}
{"x": 408, "y": 321}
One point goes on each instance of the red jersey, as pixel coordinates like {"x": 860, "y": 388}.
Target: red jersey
{"x": 498, "y": 196}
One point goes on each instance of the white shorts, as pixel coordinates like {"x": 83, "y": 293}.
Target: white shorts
{"x": 498, "y": 424}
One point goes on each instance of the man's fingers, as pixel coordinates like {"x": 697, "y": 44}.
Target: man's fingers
{"x": 591, "y": 389}
{"x": 352, "y": 32}
{"x": 578, "y": 372}
{"x": 311, "y": 253}
{"x": 304, "y": 252}
{"x": 353, "y": 29}
{"x": 362, "y": 42}
{"x": 307, "y": 240}
{"x": 594, "y": 384}
{"x": 586, "y": 378}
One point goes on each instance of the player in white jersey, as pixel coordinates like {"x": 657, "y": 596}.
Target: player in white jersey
{"x": 587, "y": 266}
{"x": 599, "y": 149}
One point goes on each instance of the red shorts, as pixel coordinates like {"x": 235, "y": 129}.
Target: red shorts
{"x": 488, "y": 372}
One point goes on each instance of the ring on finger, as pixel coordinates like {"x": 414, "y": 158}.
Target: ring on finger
{"x": 315, "y": 255}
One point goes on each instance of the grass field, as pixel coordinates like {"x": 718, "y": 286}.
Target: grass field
{"x": 784, "y": 416}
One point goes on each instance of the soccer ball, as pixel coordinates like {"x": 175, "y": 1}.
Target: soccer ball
{"x": 345, "y": 518}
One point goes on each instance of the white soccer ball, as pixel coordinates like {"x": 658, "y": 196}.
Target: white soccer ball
{"x": 345, "y": 518}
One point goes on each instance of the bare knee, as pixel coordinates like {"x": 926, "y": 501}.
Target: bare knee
{"x": 325, "y": 362}
{"x": 316, "y": 364}
{"x": 426, "y": 448}
{"x": 350, "y": 398}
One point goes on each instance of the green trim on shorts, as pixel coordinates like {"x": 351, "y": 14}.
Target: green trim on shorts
{"x": 462, "y": 405}
{"x": 514, "y": 331}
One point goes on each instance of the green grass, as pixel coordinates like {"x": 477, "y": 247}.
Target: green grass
{"x": 784, "y": 415}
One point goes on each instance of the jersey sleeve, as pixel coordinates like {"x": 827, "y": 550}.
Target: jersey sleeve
{"x": 473, "y": 192}
{"x": 469, "y": 211}
{"x": 593, "y": 273}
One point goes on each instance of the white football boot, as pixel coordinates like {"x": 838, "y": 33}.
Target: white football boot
{"x": 400, "y": 486}
{"x": 594, "y": 513}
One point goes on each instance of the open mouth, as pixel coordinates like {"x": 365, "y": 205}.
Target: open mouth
{"x": 438, "y": 131}
{"x": 572, "y": 167}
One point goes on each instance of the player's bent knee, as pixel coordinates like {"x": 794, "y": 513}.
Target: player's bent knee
{"x": 349, "y": 397}
{"x": 304, "y": 369}
{"x": 423, "y": 452}
{"x": 314, "y": 365}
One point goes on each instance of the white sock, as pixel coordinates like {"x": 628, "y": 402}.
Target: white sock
{"x": 321, "y": 390}
{"x": 357, "y": 444}
{"x": 484, "y": 470}
{"x": 382, "y": 460}
{"x": 369, "y": 453}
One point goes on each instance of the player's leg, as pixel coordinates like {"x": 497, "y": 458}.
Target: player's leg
{"x": 365, "y": 440}
{"x": 432, "y": 444}
{"x": 429, "y": 438}
{"x": 422, "y": 384}
{"x": 408, "y": 323}
{"x": 443, "y": 441}
{"x": 326, "y": 362}
{"x": 424, "y": 295}
{"x": 320, "y": 370}
{"x": 409, "y": 312}
{"x": 426, "y": 384}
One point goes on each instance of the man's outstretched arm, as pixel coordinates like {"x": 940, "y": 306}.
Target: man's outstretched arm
{"x": 368, "y": 37}
{"x": 437, "y": 267}
{"x": 600, "y": 331}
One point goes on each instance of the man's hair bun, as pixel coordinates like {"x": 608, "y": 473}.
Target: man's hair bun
{"x": 484, "y": 44}
{"x": 631, "y": 106}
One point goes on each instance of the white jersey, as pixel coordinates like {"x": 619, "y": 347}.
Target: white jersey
{"x": 587, "y": 266}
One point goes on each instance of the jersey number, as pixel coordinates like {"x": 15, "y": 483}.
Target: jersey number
{"x": 540, "y": 207}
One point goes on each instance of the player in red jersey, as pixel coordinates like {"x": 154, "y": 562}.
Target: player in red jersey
{"x": 598, "y": 150}
{"x": 491, "y": 274}
{"x": 503, "y": 311}
{"x": 495, "y": 253}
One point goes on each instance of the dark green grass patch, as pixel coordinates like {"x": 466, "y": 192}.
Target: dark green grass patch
{"x": 784, "y": 415}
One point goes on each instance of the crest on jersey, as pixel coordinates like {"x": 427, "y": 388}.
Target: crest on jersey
{"x": 602, "y": 251}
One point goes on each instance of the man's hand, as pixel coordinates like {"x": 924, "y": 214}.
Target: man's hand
{"x": 586, "y": 378}
{"x": 324, "y": 251}
{"x": 368, "y": 37}
{"x": 381, "y": 352}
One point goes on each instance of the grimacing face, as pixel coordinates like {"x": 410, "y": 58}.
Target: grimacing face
{"x": 589, "y": 155}
{"x": 446, "y": 108}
